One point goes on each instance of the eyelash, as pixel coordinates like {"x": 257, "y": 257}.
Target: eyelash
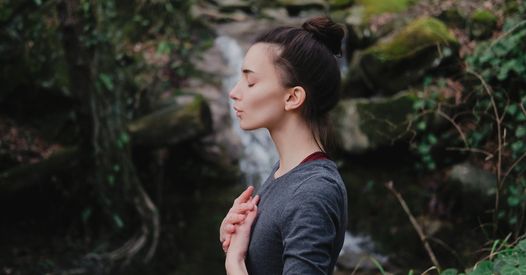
{"x": 250, "y": 85}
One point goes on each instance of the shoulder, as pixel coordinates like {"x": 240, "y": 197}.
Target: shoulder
{"x": 320, "y": 189}
{"x": 322, "y": 180}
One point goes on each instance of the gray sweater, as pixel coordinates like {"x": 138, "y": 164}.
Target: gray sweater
{"x": 301, "y": 222}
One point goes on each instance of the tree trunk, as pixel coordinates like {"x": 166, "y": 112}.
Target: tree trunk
{"x": 94, "y": 81}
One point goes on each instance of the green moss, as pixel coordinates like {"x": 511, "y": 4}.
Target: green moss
{"x": 484, "y": 17}
{"x": 385, "y": 121}
{"x": 340, "y": 3}
{"x": 418, "y": 35}
{"x": 375, "y": 7}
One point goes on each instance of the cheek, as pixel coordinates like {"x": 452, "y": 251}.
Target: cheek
{"x": 265, "y": 103}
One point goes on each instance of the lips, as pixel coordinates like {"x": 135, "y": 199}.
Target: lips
{"x": 238, "y": 111}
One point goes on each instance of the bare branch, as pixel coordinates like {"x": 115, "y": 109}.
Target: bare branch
{"x": 415, "y": 224}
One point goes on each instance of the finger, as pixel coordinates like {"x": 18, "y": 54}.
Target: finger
{"x": 255, "y": 200}
{"x": 245, "y": 195}
{"x": 235, "y": 218}
{"x": 226, "y": 244}
{"x": 247, "y": 224}
{"x": 230, "y": 228}
{"x": 241, "y": 208}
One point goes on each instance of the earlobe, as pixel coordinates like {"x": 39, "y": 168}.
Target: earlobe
{"x": 295, "y": 98}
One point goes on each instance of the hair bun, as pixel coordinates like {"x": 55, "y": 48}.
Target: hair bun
{"x": 327, "y": 32}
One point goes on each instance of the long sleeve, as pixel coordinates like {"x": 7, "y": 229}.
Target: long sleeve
{"x": 310, "y": 224}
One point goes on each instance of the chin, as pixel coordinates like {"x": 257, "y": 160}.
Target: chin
{"x": 248, "y": 127}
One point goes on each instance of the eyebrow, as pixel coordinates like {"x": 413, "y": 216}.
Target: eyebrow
{"x": 246, "y": 71}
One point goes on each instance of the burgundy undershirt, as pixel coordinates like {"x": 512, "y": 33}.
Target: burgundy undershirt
{"x": 315, "y": 156}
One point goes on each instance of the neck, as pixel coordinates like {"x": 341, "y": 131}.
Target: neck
{"x": 294, "y": 141}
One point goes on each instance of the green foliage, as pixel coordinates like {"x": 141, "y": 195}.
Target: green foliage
{"x": 489, "y": 119}
{"x": 502, "y": 67}
{"x": 30, "y": 50}
{"x": 510, "y": 260}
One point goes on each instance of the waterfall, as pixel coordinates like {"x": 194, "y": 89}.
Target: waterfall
{"x": 259, "y": 154}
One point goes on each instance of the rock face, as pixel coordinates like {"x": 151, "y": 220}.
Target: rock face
{"x": 405, "y": 57}
{"x": 366, "y": 124}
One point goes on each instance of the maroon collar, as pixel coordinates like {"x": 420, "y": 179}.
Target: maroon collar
{"x": 315, "y": 156}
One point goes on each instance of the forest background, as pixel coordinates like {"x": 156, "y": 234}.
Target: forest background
{"x": 118, "y": 154}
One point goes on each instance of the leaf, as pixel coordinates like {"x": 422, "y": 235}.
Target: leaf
{"x": 512, "y": 109}
{"x": 163, "y": 47}
{"x": 421, "y": 125}
{"x": 520, "y": 132}
{"x": 118, "y": 221}
{"x": 111, "y": 180}
{"x": 517, "y": 146}
{"x": 86, "y": 214}
{"x": 449, "y": 271}
{"x": 483, "y": 268}
{"x": 522, "y": 245}
{"x": 513, "y": 201}
{"x": 107, "y": 81}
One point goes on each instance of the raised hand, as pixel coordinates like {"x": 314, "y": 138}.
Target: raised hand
{"x": 237, "y": 251}
{"x": 236, "y": 215}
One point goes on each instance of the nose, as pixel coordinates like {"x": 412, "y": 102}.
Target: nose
{"x": 234, "y": 93}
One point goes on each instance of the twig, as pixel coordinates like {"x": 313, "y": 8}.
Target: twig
{"x": 523, "y": 109}
{"x": 415, "y": 224}
{"x": 513, "y": 166}
{"x": 448, "y": 118}
{"x": 506, "y": 34}
{"x": 474, "y": 150}
{"x": 499, "y": 148}
{"x": 358, "y": 265}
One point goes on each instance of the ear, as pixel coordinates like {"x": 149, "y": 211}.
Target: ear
{"x": 294, "y": 98}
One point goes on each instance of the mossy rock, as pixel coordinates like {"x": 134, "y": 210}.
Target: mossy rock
{"x": 394, "y": 64}
{"x": 482, "y": 24}
{"x": 340, "y": 3}
{"x": 376, "y": 7}
{"x": 233, "y": 5}
{"x": 303, "y": 3}
{"x": 417, "y": 35}
{"x": 367, "y": 124}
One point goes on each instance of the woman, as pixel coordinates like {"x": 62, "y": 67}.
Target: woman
{"x": 290, "y": 82}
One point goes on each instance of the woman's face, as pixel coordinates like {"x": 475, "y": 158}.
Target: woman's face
{"x": 259, "y": 97}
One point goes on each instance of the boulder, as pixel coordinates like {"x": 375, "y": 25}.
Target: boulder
{"x": 337, "y": 4}
{"x": 179, "y": 119}
{"x": 232, "y": 5}
{"x": 474, "y": 179}
{"x": 365, "y": 124}
{"x": 482, "y": 24}
{"x": 400, "y": 60}
{"x": 375, "y": 7}
{"x": 295, "y": 7}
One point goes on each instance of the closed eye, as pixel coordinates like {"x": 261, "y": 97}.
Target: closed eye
{"x": 251, "y": 85}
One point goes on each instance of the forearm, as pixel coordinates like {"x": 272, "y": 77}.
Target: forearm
{"x": 235, "y": 266}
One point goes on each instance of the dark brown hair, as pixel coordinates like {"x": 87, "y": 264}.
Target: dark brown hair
{"x": 306, "y": 58}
